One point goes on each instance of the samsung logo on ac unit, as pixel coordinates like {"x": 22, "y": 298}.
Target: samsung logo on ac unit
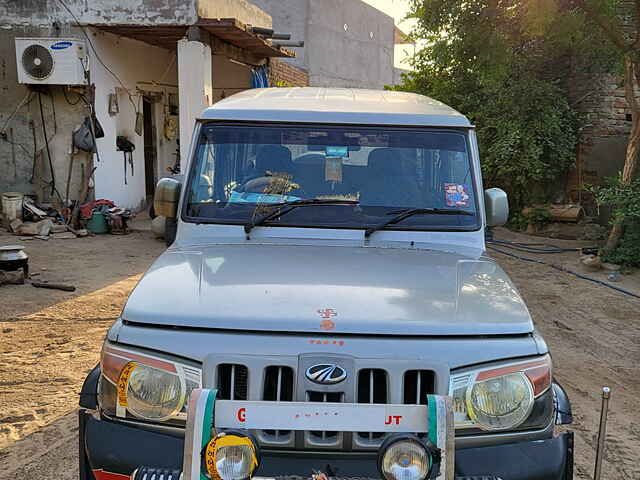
{"x": 61, "y": 45}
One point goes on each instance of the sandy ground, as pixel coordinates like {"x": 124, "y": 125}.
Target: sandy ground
{"x": 51, "y": 339}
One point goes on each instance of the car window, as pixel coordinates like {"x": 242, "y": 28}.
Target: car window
{"x": 241, "y": 169}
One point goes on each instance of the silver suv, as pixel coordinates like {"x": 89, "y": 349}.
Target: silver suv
{"x": 329, "y": 247}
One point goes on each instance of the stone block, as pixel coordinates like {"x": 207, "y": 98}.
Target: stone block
{"x": 591, "y": 262}
{"x": 42, "y": 228}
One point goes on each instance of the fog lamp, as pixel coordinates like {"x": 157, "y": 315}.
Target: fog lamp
{"x": 231, "y": 456}
{"x": 406, "y": 457}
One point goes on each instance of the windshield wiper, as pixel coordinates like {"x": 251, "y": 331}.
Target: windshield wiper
{"x": 402, "y": 214}
{"x": 286, "y": 207}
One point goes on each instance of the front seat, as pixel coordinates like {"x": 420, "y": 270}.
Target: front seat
{"x": 388, "y": 181}
{"x": 271, "y": 161}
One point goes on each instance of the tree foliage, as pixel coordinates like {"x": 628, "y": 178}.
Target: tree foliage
{"x": 623, "y": 198}
{"x": 507, "y": 65}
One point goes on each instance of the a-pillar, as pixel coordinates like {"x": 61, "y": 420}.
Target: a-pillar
{"x": 194, "y": 86}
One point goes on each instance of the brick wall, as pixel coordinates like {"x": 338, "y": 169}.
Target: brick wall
{"x": 286, "y": 75}
{"x": 601, "y": 99}
{"x": 607, "y": 122}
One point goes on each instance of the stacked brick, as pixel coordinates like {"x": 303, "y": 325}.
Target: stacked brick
{"x": 601, "y": 99}
{"x": 283, "y": 74}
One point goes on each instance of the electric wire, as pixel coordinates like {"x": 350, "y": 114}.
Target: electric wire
{"x": 28, "y": 98}
{"x": 53, "y": 111}
{"x": 533, "y": 247}
{"x": 17, "y": 144}
{"x": 93, "y": 48}
{"x": 23, "y": 102}
{"x": 66, "y": 97}
{"x": 46, "y": 141}
{"x": 163, "y": 76}
{"x": 562, "y": 269}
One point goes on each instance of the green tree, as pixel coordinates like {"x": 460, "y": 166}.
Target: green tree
{"x": 619, "y": 22}
{"x": 506, "y": 64}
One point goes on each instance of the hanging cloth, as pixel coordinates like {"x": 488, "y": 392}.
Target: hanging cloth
{"x": 260, "y": 77}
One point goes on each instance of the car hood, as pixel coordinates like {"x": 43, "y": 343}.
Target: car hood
{"x": 328, "y": 290}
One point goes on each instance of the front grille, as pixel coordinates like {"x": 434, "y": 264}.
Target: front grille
{"x": 276, "y": 379}
{"x": 278, "y": 384}
{"x": 372, "y": 388}
{"x": 278, "y": 387}
{"x": 333, "y": 397}
{"x": 232, "y": 381}
{"x": 417, "y": 384}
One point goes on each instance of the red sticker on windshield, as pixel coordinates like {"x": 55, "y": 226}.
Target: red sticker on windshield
{"x": 456, "y": 195}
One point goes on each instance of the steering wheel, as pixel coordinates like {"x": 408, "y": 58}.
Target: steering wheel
{"x": 270, "y": 185}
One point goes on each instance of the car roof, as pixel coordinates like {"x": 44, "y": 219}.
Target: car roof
{"x": 335, "y": 106}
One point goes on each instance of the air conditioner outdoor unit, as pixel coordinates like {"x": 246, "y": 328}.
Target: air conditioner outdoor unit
{"x": 51, "y": 61}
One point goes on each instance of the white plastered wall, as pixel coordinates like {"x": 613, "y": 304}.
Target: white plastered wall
{"x": 195, "y": 89}
{"x": 133, "y": 62}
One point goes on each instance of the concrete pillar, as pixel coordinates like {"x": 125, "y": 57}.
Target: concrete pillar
{"x": 194, "y": 89}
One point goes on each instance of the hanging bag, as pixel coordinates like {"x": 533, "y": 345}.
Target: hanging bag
{"x": 84, "y": 138}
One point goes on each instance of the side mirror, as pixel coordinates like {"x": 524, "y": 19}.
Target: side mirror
{"x": 496, "y": 206}
{"x": 166, "y": 198}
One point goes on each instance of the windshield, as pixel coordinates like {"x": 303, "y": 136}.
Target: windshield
{"x": 241, "y": 173}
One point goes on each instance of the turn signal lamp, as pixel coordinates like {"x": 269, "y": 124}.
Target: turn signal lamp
{"x": 231, "y": 456}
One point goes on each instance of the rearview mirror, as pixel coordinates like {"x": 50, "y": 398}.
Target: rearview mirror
{"x": 166, "y": 198}
{"x": 496, "y": 206}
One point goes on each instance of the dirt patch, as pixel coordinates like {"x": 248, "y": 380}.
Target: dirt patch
{"x": 51, "y": 339}
{"x": 594, "y": 335}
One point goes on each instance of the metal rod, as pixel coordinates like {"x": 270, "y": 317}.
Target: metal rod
{"x": 279, "y": 384}
{"x": 371, "y": 386}
{"x": 291, "y": 43}
{"x": 324, "y": 433}
{"x": 602, "y": 432}
{"x": 261, "y": 30}
{"x": 233, "y": 382}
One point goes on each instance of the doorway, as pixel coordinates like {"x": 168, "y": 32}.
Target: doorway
{"x": 150, "y": 151}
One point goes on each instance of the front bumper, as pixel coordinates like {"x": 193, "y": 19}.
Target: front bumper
{"x": 111, "y": 451}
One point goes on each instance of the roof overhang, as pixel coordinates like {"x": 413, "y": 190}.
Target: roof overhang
{"x": 228, "y": 37}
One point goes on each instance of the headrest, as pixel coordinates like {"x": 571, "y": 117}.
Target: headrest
{"x": 275, "y": 158}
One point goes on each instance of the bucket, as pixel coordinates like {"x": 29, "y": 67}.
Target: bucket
{"x": 12, "y": 205}
{"x": 97, "y": 223}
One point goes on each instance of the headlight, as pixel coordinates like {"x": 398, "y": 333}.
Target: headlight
{"x": 145, "y": 387}
{"x": 231, "y": 456}
{"x": 406, "y": 457}
{"x": 154, "y": 394}
{"x": 499, "y": 398}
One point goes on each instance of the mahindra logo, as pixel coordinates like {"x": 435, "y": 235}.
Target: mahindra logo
{"x": 326, "y": 374}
